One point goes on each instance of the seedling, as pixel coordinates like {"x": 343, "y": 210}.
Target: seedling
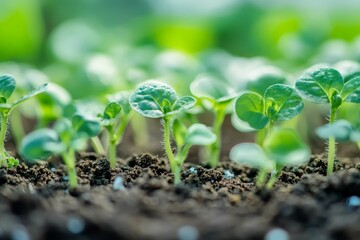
{"x": 157, "y": 100}
{"x": 216, "y": 96}
{"x": 115, "y": 118}
{"x": 341, "y": 130}
{"x": 327, "y": 86}
{"x": 7, "y": 87}
{"x": 282, "y": 148}
{"x": 279, "y": 103}
{"x": 67, "y": 137}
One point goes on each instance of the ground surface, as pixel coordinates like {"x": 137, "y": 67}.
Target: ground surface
{"x": 210, "y": 204}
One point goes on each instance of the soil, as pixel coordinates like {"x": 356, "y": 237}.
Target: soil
{"x": 223, "y": 203}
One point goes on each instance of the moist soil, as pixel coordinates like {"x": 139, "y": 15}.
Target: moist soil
{"x": 221, "y": 203}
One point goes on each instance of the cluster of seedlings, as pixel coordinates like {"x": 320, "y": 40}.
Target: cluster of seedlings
{"x": 267, "y": 106}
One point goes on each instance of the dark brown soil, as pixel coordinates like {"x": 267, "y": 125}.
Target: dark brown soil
{"x": 210, "y": 204}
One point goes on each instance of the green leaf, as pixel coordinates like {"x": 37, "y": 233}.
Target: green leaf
{"x": 251, "y": 155}
{"x": 249, "y": 107}
{"x": 32, "y": 93}
{"x": 85, "y": 126}
{"x": 152, "y": 99}
{"x": 41, "y": 144}
{"x": 285, "y": 148}
{"x": 12, "y": 162}
{"x": 240, "y": 125}
{"x": 348, "y": 69}
{"x": 284, "y": 101}
{"x": 183, "y": 104}
{"x": 199, "y": 134}
{"x": 112, "y": 110}
{"x": 7, "y": 86}
{"x": 214, "y": 90}
{"x": 351, "y": 90}
{"x": 341, "y": 130}
{"x": 319, "y": 86}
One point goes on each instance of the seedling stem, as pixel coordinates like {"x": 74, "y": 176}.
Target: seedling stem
{"x": 69, "y": 159}
{"x": 331, "y": 144}
{"x": 4, "y": 117}
{"x": 216, "y": 146}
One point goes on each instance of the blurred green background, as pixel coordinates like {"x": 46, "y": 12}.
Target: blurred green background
{"x": 102, "y": 41}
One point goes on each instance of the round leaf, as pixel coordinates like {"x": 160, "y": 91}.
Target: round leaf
{"x": 7, "y": 86}
{"x": 41, "y": 144}
{"x": 249, "y": 107}
{"x": 152, "y": 99}
{"x": 112, "y": 110}
{"x": 199, "y": 134}
{"x": 251, "y": 155}
{"x": 285, "y": 102}
{"x": 183, "y": 104}
{"x": 122, "y": 98}
{"x": 285, "y": 148}
{"x": 341, "y": 130}
{"x": 348, "y": 69}
{"x": 318, "y": 86}
{"x": 351, "y": 90}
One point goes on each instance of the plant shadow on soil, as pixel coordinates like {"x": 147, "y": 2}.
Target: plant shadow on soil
{"x": 210, "y": 204}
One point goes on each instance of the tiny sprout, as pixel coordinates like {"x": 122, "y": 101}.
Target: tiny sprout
{"x": 115, "y": 118}
{"x": 157, "y": 100}
{"x": 66, "y": 138}
{"x": 7, "y": 87}
{"x": 216, "y": 96}
{"x": 279, "y": 103}
{"x": 281, "y": 148}
{"x": 328, "y": 86}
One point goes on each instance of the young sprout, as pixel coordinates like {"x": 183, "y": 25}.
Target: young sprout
{"x": 279, "y": 103}
{"x": 327, "y": 86}
{"x": 157, "y": 100}
{"x": 7, "y": 87}
{"x": 341, "y": 130}
{"x": 282, "y": 148}
{"x": 115, "y": 118}
{"x": 67, "y": 137}
{"x": 216, "y": 96}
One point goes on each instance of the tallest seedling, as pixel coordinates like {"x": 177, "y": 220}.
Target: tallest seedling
{"x": 7, "y": 87}
{"x": 327, "y": 86}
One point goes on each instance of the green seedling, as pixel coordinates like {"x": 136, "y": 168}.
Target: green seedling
{"x": 67, "y": 137}
{"x": 115, "y": 118}
{"x": 158, "y": 100}
{"x": 279, "y": 103}
{"x": 7, "y": 87}
{"x": 216, "y": 96}
{"x": 341, "y": 130}
{"x": 282, "y": 148}
{"x": 328, "y": 86}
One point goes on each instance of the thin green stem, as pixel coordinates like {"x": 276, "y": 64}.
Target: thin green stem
{"x": 215, "y": 148}
{"x": 112, "y": 154}
{"x": 274, "y": 177}
{"x": 69, "y": 160}
{"x": 4, "y": 118}
{"x": 175, "y": 166}
{"x": 358, "y": 145}
{"x": 97, "y": 145}
{"x": 261, "y": 177}
{"x": 331, "y": 144}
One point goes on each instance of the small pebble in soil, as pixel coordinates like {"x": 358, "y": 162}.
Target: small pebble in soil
{"x": 353, "y": 201}
{"x": 228, "y": 174}
{"x": 75, "y": 225}
{"x": 187, "y": 232}
{"x": 277, "y": 234}
{"x": 20, "y": 233}
{"x": 65, "y": 178}
{"x": 118, "y": 183}
{"x": 53, "y": 169}
{"x": 193, "y": 170}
